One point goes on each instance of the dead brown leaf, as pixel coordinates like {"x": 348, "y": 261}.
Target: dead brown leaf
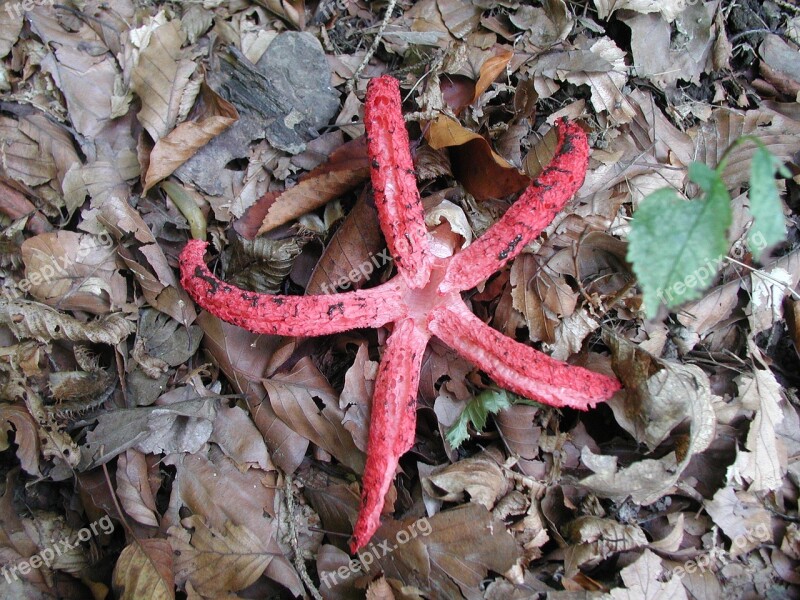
{"x": 213, "y": 488}
{"x": 161, "y": 80}
{"x": 243, "y": 357}
{"x": 210, "y": 117}
{"x": 593, "y": 539}
{"x": 294, "y": 398}
{"x": 72, "y": 271}
{"x": 134, "y": 489}
{"x": 353, "y": 253}
{"x": 479, "y": 478}
{"x": 461, "y": 545}
{"x": 217, "y": 562}
{"x": 481, "y": 171}
{"x": 345, "y": 168}
{"x": 144, "y": 568}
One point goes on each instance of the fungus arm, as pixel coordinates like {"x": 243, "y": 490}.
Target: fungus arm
{"x": 392, "y": 422}
{"x": 538, "y": 205}
{"x": 394, "y": 182}
{"x": 285, "y": 315}
{"x": 518, "y": 367}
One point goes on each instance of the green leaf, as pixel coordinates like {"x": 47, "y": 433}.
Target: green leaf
{"x": 676, "y": 246}
{"x": 769, "y": 224}
{"x": 476, "y": 412}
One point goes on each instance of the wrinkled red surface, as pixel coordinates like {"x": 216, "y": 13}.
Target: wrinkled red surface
{"x": 424, "y": 300}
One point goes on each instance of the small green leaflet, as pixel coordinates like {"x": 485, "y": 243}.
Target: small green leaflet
{"x": 478, "y": 410}
{"x": 675, "y": 245}
{"x": 769, "y": 224}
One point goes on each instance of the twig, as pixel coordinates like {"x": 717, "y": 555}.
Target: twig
{"x": 351, "y": 85}
{"x": 299, "y": 564}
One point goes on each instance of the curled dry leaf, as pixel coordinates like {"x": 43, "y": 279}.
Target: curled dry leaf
{"x": 645, "y": 580}
{"x": 26, "y": 436}
{"x": 163, "y": 341}
{"x": 294, "y": 397}
{"x": 133, "y": 488}
{"x": 154, "y": 275}
{"x": 18, "y": 540}
{"x": 668, "y": 9}
{"x": 237, "y": 436}
{"x": 448, "y": 554}
{"x": 478, "y": 478}
{"x": 779, "y": 134}
{"x": 293, "y": 11}
{"x": 214, "y": 488}
{"x": 359, "y": 386}
{"x": 593, "y": 539}
{"x": 178, "y": 427}
{"x": 83, "y": 75}
{"x": 742, "y": 517}
{"x": 663, "y": 60}
{"x": 658, "y": 397}
{"x": 349, "y": 258}
{"x": 72, "y": 271}
{"x": 161, "y": 78}
{"x": 55, "y": 442}
{"x": 481, "y": 171}
{"x": 779, "y": 65}
{"x": 763, "y": 462}
{"x": 46, "y": 527}
{"x": 263, "y": 264}
{"x": 10, "y": 26}
{"x": 22, "y": 158}
{"x": 520, "y": 432}
{"x": 34, "y": 320}
{"x": 345, "y": 168}
{"x": 545, "y": 25}
{"x": 243, "y": 357}
{"x": 541, "y": 296}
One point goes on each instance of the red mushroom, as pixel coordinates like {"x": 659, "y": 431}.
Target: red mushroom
{"x": 423, "y": 300}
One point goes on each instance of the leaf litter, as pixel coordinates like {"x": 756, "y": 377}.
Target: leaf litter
{"x": 684, "y": 485}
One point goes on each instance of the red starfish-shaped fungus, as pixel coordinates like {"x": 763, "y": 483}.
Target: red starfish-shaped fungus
{"x": 423, "y": 300}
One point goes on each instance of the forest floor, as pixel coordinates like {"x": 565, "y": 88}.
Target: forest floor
{"x": 150, "y": 449}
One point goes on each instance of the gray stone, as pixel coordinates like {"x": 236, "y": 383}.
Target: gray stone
{"x": 285, "y": 98}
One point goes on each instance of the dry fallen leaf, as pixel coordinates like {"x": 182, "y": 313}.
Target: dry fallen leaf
{"x": 658, "y": 396}
{"x": 72, "y": 271}
{"x": 593, "y": 539}
{"x": 144, "y": 568}
{"x": 345, "y": 168}
{"x": 134, "y": 487}
{"x": 214, "y": 115}
{"x": 763, "y": 462}
{"x": 480, "y": 478}
{"x": 644, "y": 580}
{"x": 217, "y": 562}
{"x": 161, "y": 79}
{"x": 481, "y": 171}
{"x": 293, "y": 397}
